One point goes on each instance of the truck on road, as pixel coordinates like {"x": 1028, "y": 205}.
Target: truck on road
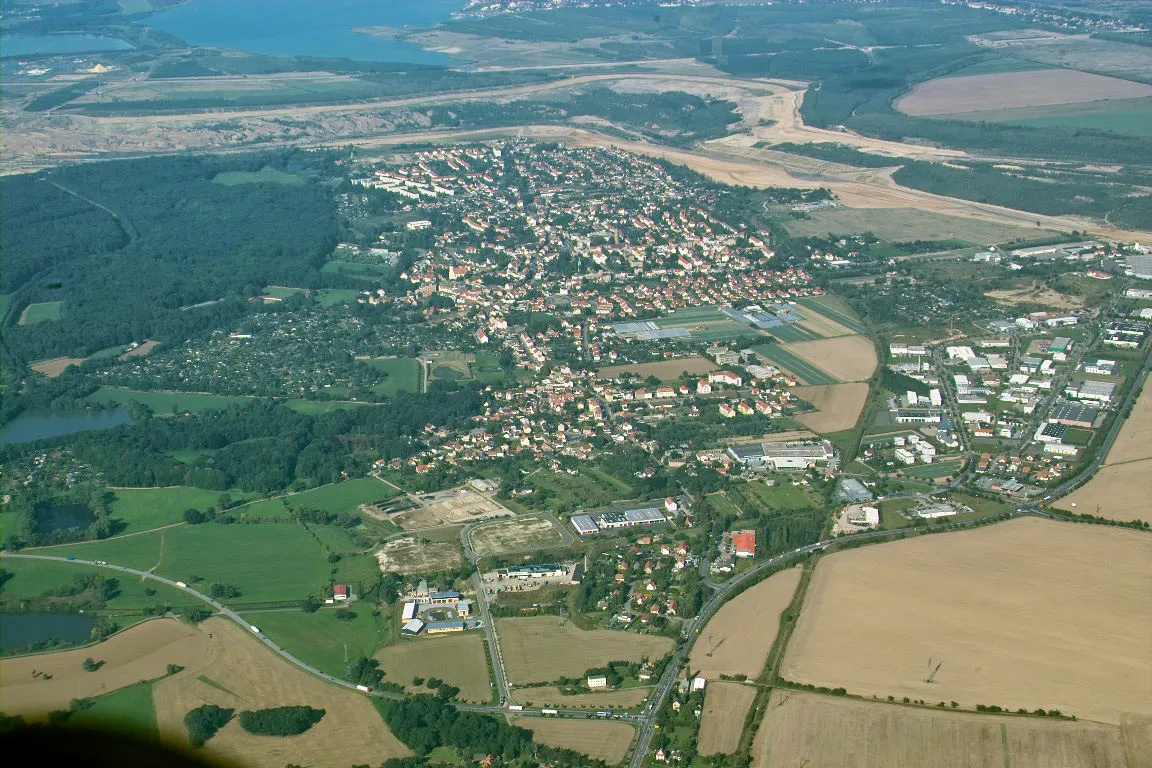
{"x": 254, "y": 628}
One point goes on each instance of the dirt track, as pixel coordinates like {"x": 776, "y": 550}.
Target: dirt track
{"x": 33, "y": 141}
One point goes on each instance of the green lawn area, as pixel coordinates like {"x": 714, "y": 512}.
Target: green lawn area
{"x": 142, "y": 509}
{"x": 586, "y": 489}
{"x": 790, "y": 333}
{"x": 345, "y": 496}
{"x": 128, "y": 709}
{"x": 400, "y": 374}
{"x": 108, "y": 352}
{"x": 782, "y": 496}
{"x": 41, "y": 313}
{"x": 267, "y": 561}
{"x": 312, "y": 407}
{"x": 330, "y": 297}
{"x": 980, "y": 507}
{"x": 281, "y": 291}
{"x": 802, "y": 368}
{"x": 319, "y": 638}
{"x": 265, "y": 175}
{"x": 1078, "y": 436}
{"x": 34, "y": 577}
{"x": 890, "y": 513}
{"x": 935, "y": 469}
{"x": 167, "y": 402}
{"x": 369, "y": 272}
{"x": 722, "y": 505}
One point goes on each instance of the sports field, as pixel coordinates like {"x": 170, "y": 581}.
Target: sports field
{"x": 837, "y": 406}
{"x": 737, "y": 639}
{"x": 935, "y": 469}
{"x": 167, "y": 402}
{"x": 240, "y": 555}
{"x": 539, "y": 649}
{"x": 241, "y": 673}
{"x": 142, "y": 652}
{"x": 607, "y": 741}
{"x": 400, "y": 374}
{"x": 265, "y": 175}
{"x": 665, "y": 370}
{"x": 1007, "y": 611}
{"x": 800, "y": 727}
{"x": 722, "y": 721}
{"x": 458, "y": 659}
{"x": 806, "y": 372}
{"x": 846, "y": 358}
{"x": 1005, "y": 90}
{"x": 43, "y": 312}
{"x": 515, "y": 536}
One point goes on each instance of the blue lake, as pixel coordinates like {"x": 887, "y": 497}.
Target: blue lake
{"x": 36, "y": 426}
{"x": 307, "y": 27}
{"x": 32, "y": 45}
{"x": 19, "y": 630}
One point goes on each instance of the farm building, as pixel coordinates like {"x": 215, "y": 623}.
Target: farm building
{"x": 778, "y": 456}
{"x": 440, "y": 627}
{"x": 744, "y": 543}
{"x": 340, "y": 592}
{"x": 412, "y": 627}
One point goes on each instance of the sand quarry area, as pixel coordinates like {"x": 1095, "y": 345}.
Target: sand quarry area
{"x": 1028, "y": 613}
{"x": 1005, "y": 90}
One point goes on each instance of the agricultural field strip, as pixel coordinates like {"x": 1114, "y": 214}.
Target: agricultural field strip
{"x": 809, "y": 373}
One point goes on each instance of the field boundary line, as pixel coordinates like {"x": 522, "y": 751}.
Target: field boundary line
{"x": 99, "y": 541}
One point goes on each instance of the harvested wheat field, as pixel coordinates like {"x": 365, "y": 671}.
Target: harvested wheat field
{"x": 56, "y": 366}
{"x": 804, "y": 728}
{"x": 540, "y": 649}
{"x": 456, "y": 659}
{"x": 1135, "y": 438}
{"x": 824, "y": 326}
{"x": 1119, "y": 492}
{"x": 837, "y": 406}
{"x": 665, "y": 370}
{"x": 1004, "y": 90}
{"x": 241, "y": 674}
{"x": 847, "y": 358}
{"x": 550, "y": 696}
{"x": 142, "y": 652}
{"x": 743, "y": 630}
{"x": 1027, "y": 613}
{"x": 725, "y": 707}
{"x": 599, "y": 740}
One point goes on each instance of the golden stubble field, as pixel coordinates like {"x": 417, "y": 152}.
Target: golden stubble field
{"x": 846, "y": 358}
{"x": 665, "y": 370}
{"x": 1004, "y": 90}
{"x": 458, "y": 659}
{"x": 540, "y": 649}
{"x": 600, "y": 740}
{"x": 142, "y": 652}
{"x": 722, "y": 721}
{"x": 743, "y": 630}
{"x": 1028, "y": 613}
{"x": 838, "y": 406}
{"x": 808, "y": 729}
{"x": 242, "y": 674}
{"x": 1122, "y": 488}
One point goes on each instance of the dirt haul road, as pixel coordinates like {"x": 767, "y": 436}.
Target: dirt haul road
{"x": 34, "y": 141}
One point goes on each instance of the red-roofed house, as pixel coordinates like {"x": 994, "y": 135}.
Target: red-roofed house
{"x": 340, "y": 592}
{"x": 744, "y": 543}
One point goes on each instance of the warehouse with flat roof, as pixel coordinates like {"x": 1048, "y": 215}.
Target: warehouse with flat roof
{"x": 778, "y": 456}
